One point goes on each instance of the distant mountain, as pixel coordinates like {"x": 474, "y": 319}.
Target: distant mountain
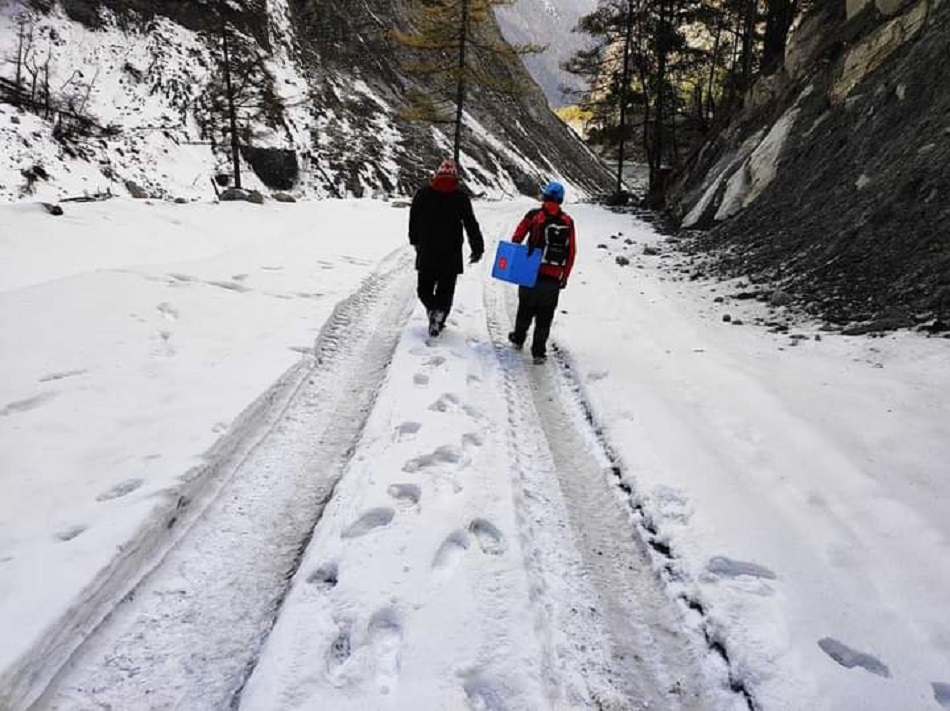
{"x": 550, "y": 23}
{"x": 327, "y": 89}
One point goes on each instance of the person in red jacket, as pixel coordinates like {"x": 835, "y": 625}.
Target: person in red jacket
{"x": 550, "y": 229}
{"x": 438, "y": 213}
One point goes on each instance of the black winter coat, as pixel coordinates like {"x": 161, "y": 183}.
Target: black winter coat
{"x": 435, "y": 229}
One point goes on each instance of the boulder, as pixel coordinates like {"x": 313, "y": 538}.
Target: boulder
{"x": 136, "y": 190}
{"x": 238, "y": 194}
{"x": 780, "y": 298}
{"x": 284, "y": 197}
{"x": 870, "y": 54}
{"x": 52, "y": 209}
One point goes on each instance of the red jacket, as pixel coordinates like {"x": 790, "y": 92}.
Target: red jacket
{"x": 531, "y": 226}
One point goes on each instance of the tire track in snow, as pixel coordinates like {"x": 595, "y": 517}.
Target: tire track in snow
{"x": 650, "y": 662}
{"x": 646, "y": 531}
{"x": 187, "y": 636}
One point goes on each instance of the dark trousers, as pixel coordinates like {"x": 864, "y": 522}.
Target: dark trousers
{"x": 436, "y": 291}
{"x": 539, "y": 303}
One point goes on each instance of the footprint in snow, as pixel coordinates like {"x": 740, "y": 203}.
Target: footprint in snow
{"x": 168, "y": 311}
{"x": 445, "y": 402}
{"x": 62, "y": 376}
{"x": 163, "y": 346}
{"x": 472, "y": 379}
{"x": 942, "y": 693}
{"x": 325, "y": 577}
{"x": 405, "y": 493}
{"x": 70, "y": 533}
{"x": 372, "y": 519}
{"x": 230, "y": 286}
{"x": 27, "y": 405}
{"x": 850, "y": 658}
{"x": 120, "y": 490}
{"x": 483, "y": 694}
{"x": 338, "y": 655}
{"x": 489, "y": 538}
{"x": 446, "y": 454}
{"x": 472, "y": 412}
{"x": 435, "y": 361}
{"x": 384, "y": 637}
{"x": 451, "y": 551}
{"x": 420, "y": 379}
{"x": 728, "y": 568}
{"x": 408, "y": 428}
{"x": 473, "y": 439}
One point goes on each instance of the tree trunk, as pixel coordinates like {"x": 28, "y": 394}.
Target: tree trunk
{"x": 659, "y": 114}
{"x": 624, "y": 89}
{"x": 232, "y": 111}
{"x": 21, "y": 46}
{"x": 781, "y": 15}
{"x": 460, "y": 83}
{"x": 751, "y": 13}
{"x": 714, "y": 62}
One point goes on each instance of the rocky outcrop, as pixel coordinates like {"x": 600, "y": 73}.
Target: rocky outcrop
{"x": 833, "y": 181}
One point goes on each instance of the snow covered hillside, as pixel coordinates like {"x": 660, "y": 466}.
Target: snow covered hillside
{"x": 318, "y": 116}
{"x": 236, "y": 474}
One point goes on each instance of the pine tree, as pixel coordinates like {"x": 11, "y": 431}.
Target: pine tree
{"x": 459, "y": 51}
{"x": 239, "y": 93}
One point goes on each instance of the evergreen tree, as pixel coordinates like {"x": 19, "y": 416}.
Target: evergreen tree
{"x": 239, "y": 93}
{"x": 458, "y": 50}
{"x": 659, "y": 66}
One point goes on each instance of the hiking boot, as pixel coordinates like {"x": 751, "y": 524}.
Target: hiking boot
{"x": 436, "y": 323}
{"x": 513, "y": 340}
{"x": 540, "y": 359}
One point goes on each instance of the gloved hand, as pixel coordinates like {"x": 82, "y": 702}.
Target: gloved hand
{"x": 563, "y": 283}
{"x": 476, "y": 257}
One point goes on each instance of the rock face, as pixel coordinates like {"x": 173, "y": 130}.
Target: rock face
{"x": 833, "y": 183}
{"x": 334, "y": 91}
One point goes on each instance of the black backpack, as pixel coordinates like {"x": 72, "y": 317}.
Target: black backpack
{"x": 556, "y": 236}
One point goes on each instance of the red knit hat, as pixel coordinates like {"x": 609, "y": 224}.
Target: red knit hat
{"x": 447, "y": 169}
{"x": 446, "y": 177}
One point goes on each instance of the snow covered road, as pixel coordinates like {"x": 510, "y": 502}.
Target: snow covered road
{"x": 473, "y": 553}
{"x": 672, "y": 513}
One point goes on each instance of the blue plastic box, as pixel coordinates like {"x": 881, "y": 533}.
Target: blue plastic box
{"x": 512, "y": 264}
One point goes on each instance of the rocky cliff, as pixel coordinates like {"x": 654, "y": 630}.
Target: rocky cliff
{"x": 326, "y": 121}
{"x": 833, "y": 182}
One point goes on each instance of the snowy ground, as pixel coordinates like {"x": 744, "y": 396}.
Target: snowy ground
{"x": 235, "y": 472}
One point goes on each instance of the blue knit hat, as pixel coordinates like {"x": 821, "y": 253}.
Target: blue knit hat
{"x": 554, "y": 191}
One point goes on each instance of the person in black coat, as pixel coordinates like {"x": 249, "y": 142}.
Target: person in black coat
{"x": 438, "y": 213}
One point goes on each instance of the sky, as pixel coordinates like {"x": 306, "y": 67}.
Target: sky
{"x": 234, "y": 467}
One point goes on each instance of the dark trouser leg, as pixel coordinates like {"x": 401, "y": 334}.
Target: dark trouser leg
{"x": 547, "y": 296}
{"x": 425, "y": 288}
{"x": 527, "y": 303}
{"x": 445, "y": 294}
